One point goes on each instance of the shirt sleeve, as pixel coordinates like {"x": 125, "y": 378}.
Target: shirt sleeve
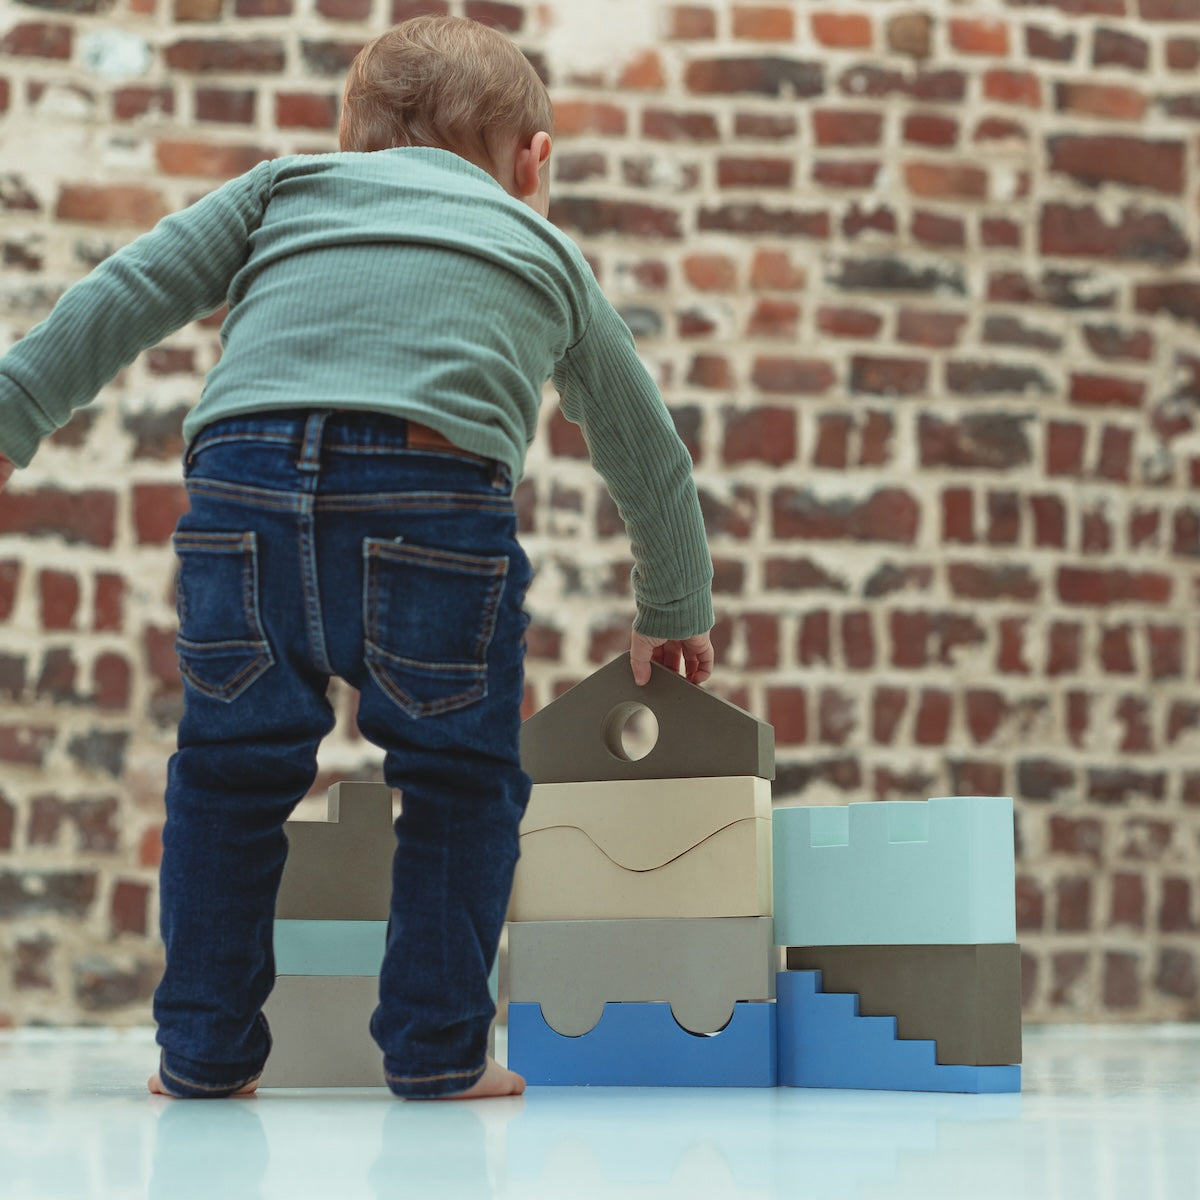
{"x": 633, "y": 445}
{"x": 178, "y": 271}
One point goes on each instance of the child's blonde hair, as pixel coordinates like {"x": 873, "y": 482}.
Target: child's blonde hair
{"x": 446, "y": 82}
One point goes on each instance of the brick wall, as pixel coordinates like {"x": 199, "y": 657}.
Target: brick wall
{"x": 917, "y": 279}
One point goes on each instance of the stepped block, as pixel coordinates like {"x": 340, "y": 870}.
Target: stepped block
{"x": 577, "y": 738}
{"x": 825, "y": 1043}
{"x": 896, "y": 873}
{"x": 329, "y": 947}
{"x": 641, "y": 1045}
{"x": 967, "y": 999}
{"x": 340, "y": 869}
{"x": 319, "y": 1024}
{"x": 700, "y": 967}
{"x": 642, "y": 849}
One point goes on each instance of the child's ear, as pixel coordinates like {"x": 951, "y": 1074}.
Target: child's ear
{"x": 529, "y": 162}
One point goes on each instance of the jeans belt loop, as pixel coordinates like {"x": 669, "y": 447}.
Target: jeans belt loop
{"x": 310, "y": 451}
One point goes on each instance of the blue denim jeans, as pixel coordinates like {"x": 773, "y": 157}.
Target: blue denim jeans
{"x": 322, "y": 544}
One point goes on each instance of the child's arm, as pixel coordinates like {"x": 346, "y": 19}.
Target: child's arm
{"x": 633, "y": 444}
{"x": 177, "y": 272}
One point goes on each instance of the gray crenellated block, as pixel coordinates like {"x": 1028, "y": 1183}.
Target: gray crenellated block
{"x": 340, "y": 869}
{"x": 320, "y": 1028}
{"x": 701, "y": 966}
{"x": 577, "y": 738}
{"x": 966, "y": 998}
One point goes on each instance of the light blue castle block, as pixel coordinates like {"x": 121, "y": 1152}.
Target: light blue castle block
{"x": 896, "y": 873}
{"x": 329, "y": 947}
{"x": 641, "y": 1045}
{"x": 824, "y": 1043}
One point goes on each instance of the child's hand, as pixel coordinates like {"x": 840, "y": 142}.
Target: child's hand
{"x": 6, "y": 470}
{"x": 696, "y": 653}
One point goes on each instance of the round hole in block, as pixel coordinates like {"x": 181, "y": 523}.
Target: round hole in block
{"x": 630, "y": 731}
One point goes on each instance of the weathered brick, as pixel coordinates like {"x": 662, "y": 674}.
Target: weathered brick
{"x": 1070, "y": 230}
{"x": 130, "y": 103}
{"x": 590, "y": 217}
{"x": 1023, "y": 88}
{"x": 764, "y": 76}
{"x": 1136, "y": 162}
{"x": 760, "y": 435}
{"x": 792, "y": 376}
{"x": 691, "y": 22}
{"x": 86, "y": 517}
{"x": 887, "y": 515}
{"x": 259, "y": 56}
{"x": 994, "y": 441}
{"x": 38, "y": 39}
{"x": 207, "y": 159}
{"x": 758, "y": 219}
{"x": 110, "y": 204}
{"x": 888, "y": 376}
{"x": 970, "y": 35}
{"x": 939, "y": 181}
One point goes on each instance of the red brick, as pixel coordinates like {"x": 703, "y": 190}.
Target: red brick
{"x": 1058, "y": 46}
{"x": 787, "y": 713}
{"x": 849, "y": 322}
{"x": 792, "y": 376}
{"x": 59, "y": 591}
{"x": 887, "y": 710}
{"x": 157, "y": 508}
{"x": 261, "y": 56}
{"x": 1166, "y": 10}
{"x": 305, "y": 110}
{"x": 1073, "y": 905}
{"x": 775, "y": 270}
{"x": 763, "y": 23}
{"x": 958, "y": 515}
{"x": 1082, "y": 231}
{"x": 129, "y": 103}
{"x": 1096, "y": 532}
{"x": 643, "y": 73}
{"x": 1127, "y": 905}
{"x": 764, "y": 434}
{"x": 1112, "y": 342}
{"x": 344, "y": 10}
{"x": 1064, "y": 448}
{"x": 774, "y": 319}
{"x": 38, "y": 39}
{"x": 843, "y": 30}
{"x": 1064, "y": 648}
{"x": 1031, "y": 904}
{"x": 888, "y": 376}
{"x": 837, "y": 716}
{"x": 263, "y": 8}
{"x": 847, "y": 127}
{"x": 939, "y": 181}
{"x": 1106, "y": 391}
{"x": 575, "y": 117}
{"x": 207, "y": 159}
{"x": 1122, "y": 985}
{"x": 813, "y": 644}
{"x": 665, "y": 126}
{"x": 1079, "y": 837}
{"x": 1010, "y": 653}
{"x": 842, "y": 174}
{"x": 1116, "y": 650}
{"x": 112, "y": 680}
{"x": 754, "y": 172}
{"x": 762, "y": 76}
{"x": 711, "y": 371}
{"x": 10, "y": 577}
{"x": 1001, "y": 129}
{"x": 112, "y": 204}
{"x": 692, "y": 22}
{"x": 1175, "y": 911}
{"x": 935, "y": 330}
{"x": 932, "y": 726}
{"x": 1136, "y": 162}
{"x": 129, "y": 909}
{"x": 773, "y": 127}
{"x": 970, "y": 35}
{"x": 1013, "y": 87}
{"x": 1133, "y": 716}
{"x": 858, "y": 641}
{"x": 1108, "y": 102}
{"x": 978, "y": 440}
{"x": 1183, "y": 54}
{"x": 76, "y": 517}
{"x": 1101, "y": 587}
{"x": 833, "y": 441}
{"x": 930, "y": 129}
{"x": 937, "y": 229}
{"x": 887, "y": 515}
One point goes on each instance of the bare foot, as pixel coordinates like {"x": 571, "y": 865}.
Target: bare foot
{"x": 155, "y": 1084}
{"x": 495, "y": 1081}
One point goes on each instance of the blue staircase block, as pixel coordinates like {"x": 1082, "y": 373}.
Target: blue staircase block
{"x": 641, "y": 1045}
{"x": 825, "y": 1043}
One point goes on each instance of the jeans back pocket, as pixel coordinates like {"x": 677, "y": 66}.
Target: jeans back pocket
{"x": 429, "y": 616}
{"x": 221, "y": 646}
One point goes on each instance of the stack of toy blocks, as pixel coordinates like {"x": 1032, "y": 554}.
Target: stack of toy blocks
{"x": 898, "y": 922}
{"x": 641, "y": 947}
{"x": 330, "y": 935}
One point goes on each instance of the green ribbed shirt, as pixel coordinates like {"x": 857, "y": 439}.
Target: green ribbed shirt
{"x": 404, "y": 281}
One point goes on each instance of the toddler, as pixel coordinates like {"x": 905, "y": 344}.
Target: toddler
{"x": 394, "y": 311}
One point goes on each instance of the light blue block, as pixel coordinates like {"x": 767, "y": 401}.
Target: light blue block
{"x": 640, "y": 1045}
{"x": 329, "y": 947}
{"x": 896, "y": 873}
{"x": 824, "y": 1043}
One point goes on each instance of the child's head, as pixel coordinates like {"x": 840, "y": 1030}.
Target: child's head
{"x": 444, "y": 82}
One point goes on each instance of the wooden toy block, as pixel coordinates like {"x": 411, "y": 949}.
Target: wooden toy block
{"x": 641, "y": 849}
{"x": 320, "y": 1027}
{"x": 966, "y": 999}
{"x": 341, "y": 869}
{"x": 700, "y": 967}
{"x": 329, "y": 947}
{"x": 896, "y": 873}
{"x": 577, "y": 738}
{"x": 825, "y": 1043}
{"x": 641, "y": 1045}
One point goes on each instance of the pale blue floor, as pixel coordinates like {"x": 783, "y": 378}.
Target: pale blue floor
{"x": 1105, "y": 1113}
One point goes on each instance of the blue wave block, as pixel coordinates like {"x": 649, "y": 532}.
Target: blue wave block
{"x": 641, "y": 1045}
{"x": 824, "y": 1043}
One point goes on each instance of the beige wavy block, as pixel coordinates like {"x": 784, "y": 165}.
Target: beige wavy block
{"x": 654, "y": 848}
